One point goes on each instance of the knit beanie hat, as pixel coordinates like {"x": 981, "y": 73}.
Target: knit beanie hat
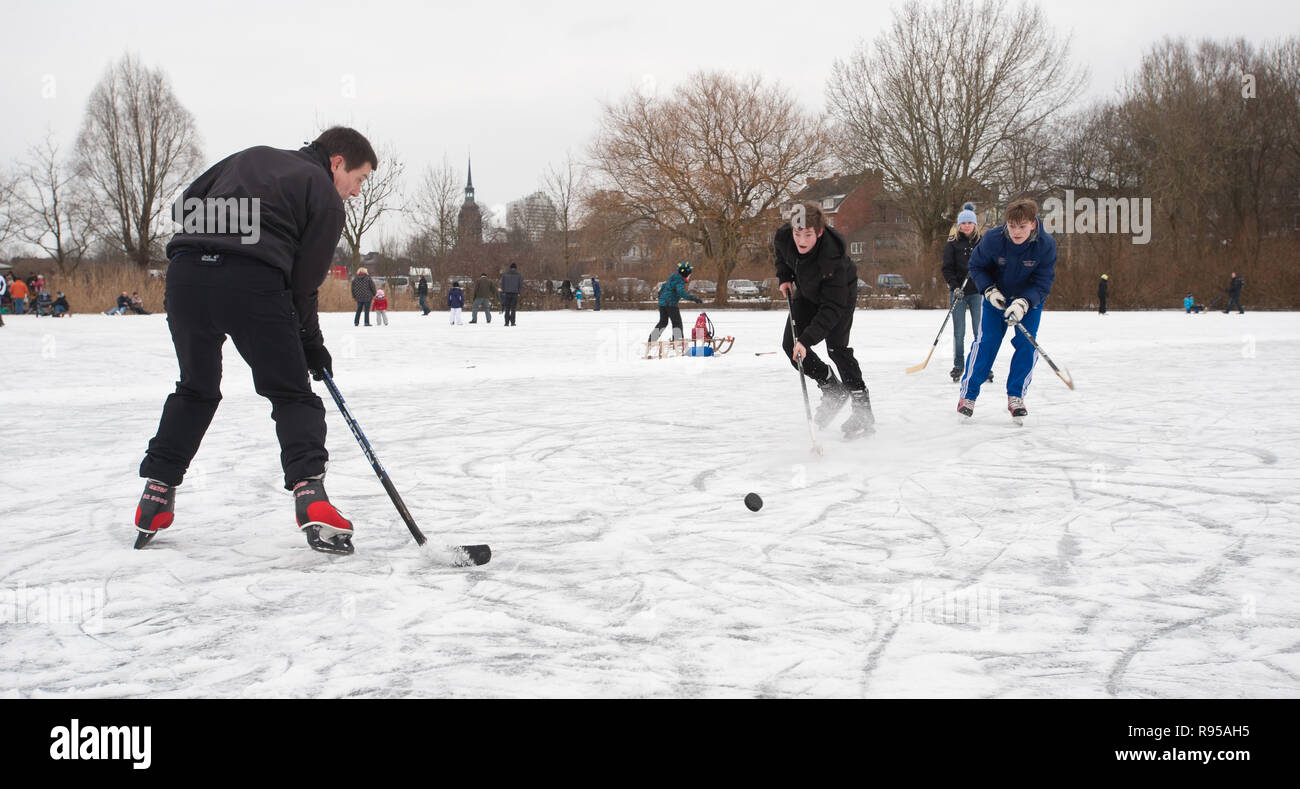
{"x": 967, "y": 214}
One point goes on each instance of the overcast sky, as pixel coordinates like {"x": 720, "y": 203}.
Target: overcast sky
{"x": 518, "y": 83}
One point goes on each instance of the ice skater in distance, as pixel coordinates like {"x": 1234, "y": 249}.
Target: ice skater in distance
{"x": 820, "y": 281}
{"x": 1014, "y": 265}
{"x": 260, "y": 288}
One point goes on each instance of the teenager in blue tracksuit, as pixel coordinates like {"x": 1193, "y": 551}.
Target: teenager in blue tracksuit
{"x": 1014, "y": 265}
{"x": 671, "y": 292}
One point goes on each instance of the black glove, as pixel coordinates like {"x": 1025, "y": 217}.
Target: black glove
{"x": 318, "y": 360}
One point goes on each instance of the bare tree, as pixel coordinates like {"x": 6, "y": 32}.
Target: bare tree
{"x": 945, "y": 100}
{"x": 376, "y": 199}
{"x": 711, "y": 162}
{"x": 564, "y": 184}
{"x": 433, "y": 208}
{"x": 10, "y": 208}
{"x": 55, "y": 209}
{"x": 137, "y": 149}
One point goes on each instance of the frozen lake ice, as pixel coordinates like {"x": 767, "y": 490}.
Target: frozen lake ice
{"x": 1136, "y": 538}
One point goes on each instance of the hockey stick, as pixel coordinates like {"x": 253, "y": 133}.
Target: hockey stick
{"x": 461, "y": 555}
{"x": 952, "y": 302}
{"x": 803, "y": 379}
{"x": 1064, "y": 376}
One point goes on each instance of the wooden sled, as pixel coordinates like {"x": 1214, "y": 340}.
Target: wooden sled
{"x": 667, "y": 348}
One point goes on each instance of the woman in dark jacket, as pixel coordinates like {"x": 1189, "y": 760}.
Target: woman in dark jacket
{"x": 963, "y": 295}
{"x": 363, "y": 292}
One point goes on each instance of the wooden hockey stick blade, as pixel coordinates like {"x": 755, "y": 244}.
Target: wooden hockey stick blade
{"x": 919, "y": 367}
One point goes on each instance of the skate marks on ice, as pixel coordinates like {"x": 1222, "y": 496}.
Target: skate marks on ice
{"x": 1118, "y": 544}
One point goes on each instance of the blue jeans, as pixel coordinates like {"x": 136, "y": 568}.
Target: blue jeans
{"x": 974, "y": 303}
{"x": 20, "y": 306}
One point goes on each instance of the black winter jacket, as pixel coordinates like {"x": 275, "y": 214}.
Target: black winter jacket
{"x": 299, "y": 220}
{"x": 956, "y": 262}
{"x": 827, "y": 277}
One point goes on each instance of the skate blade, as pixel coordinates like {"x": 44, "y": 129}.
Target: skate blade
{"x": 1019, "y": 421}
{"x": 339, "y": 544}
{"x": 142, "y": 539}
{"x": 963, "y": 419}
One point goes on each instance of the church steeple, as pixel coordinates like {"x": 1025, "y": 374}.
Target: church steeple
{"x": 469, "y": 221}
{"x": 469, "y": 182}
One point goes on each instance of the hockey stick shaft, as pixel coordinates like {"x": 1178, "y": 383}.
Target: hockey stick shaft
{"x": 420, "y": 539}
{"x": 460, "y": 555}
{"x": 952, "y": 302}
{"x": 1064, "y": 376}
{"x": 803, "y": 379}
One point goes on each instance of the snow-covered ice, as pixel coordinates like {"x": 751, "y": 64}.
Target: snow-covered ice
{"x": 1136, "y": 538}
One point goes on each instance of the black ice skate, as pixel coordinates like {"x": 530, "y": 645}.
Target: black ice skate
{"x": 956, "y": 374}
{"x": 862, "y": 422}
{"x": 834, "y": 396}
{"x": 1017, "y": 408}
{"x": 154, "y": 512}
{"x": 327, "y": 530}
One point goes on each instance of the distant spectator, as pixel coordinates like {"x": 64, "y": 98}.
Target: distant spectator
{"x": 595, "y": 292}
{"x": 484, "y": 290}
{"x": 1101, "y": 294}
{"x": 422, "y": 291}
{"x": 512, "y": 283}
{"x": 137, "y": 304}
{"x": 456, "y": 302}
{"x": 18, "y": 291}
{"x": 1234, "y": 294}
{"x": 381, "y": 308}
{"x": 61, "y": 308}
{"x": 363, "y": 292}
{"x": 566, "y": 292}
{"x": 44, "y": 305}
{"x": 577, "y": 297}
{"x": 123, "y": 304}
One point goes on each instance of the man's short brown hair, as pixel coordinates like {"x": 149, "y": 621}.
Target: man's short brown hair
{"x": 812, "y": 217}
{"x": 1022, "y": 210}
{"x": 350, "y": 144}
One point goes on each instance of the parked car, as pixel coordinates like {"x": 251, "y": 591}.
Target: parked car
{"x": 892, "y": 282}
{"x": 742, "y": 289}
{"x": 399, "y": 284}
{"x": 704, "y": 287}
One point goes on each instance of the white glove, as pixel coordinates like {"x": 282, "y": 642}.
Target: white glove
{"x": 1016, "y": 311}
{"x": 995, "y": 297}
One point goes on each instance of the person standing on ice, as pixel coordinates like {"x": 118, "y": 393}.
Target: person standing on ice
{"x": 964, "y": 296}
{"x": 1234, "y": 294}
{"x": 363, "y": 292}
{"x": 422, "y": 292}
{"x": 381, "y": 308}
{"x": 670, "y": 293}
{"x": 484, "y": 290}
{"x": 263, "y": 294}
{"x": 455, "y": 303}
{"x": 1103, "y": 287}
{"x": 512, "y": 284}
{"x": 1014, "y": 265}
{"x": 821, "y": 282}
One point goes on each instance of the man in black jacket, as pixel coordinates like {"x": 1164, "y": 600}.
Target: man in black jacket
{"x": 1103, "y": 288}
{"x": 258, "y": 232}
{"x": 814, "y": 269}
{"x": 422, "y": 291}
{"x": 1234, "y": 294}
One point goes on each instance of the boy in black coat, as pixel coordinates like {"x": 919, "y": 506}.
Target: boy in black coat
{"x": 821, "y": 282}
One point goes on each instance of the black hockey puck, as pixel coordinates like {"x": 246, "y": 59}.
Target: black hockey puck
{"x": 753, "y": 502}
